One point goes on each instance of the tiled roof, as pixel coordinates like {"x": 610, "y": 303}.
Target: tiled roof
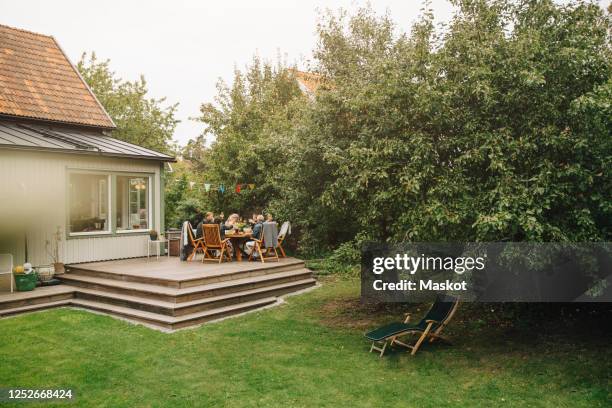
{"x": 38, "y": 81}
{"x": 309, "y": 82}
{"x": 63, "y": 139}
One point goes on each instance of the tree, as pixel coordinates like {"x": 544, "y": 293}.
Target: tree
{"x": 140, "y": 120}
{"x": 251, "y": 121}
{"x": 478, "y": 133}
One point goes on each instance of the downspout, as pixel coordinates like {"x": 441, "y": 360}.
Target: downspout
{"x": 162, "y": 199}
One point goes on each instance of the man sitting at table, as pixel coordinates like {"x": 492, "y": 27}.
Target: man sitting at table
{"x": 257, "y": 232}
{"x": 208, "y": 219}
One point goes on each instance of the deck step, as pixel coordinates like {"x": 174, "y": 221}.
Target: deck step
{"x": 39, "y": 296}
{"x": 34, "y": 307}
{"x": 182, "y": 308}
{"x": 173, "y": 322}
{"x": 184, "y": 294}
{"x": 211, "y": 276}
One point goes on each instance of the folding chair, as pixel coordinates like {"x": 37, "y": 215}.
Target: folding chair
{"x": 284, "y": 231}
{"x": 6, "y": 267}
{"x": 196, "y": 243}
{"x": 266, "y": 244}
{"x": 212, "y": 243}
{"x": 429, "y": 327}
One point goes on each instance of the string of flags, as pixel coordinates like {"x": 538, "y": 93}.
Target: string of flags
{"x": 222, "y": 188}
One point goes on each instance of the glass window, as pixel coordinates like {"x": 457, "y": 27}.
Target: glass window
{"x": 133, "y": 207}
{"x": 88, "y": 204}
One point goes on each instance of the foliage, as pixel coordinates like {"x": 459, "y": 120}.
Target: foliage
{"x": 495, "y": 127}
{"x": 176, "y": 192}
{"x": 140, "y": 120}
{"x": 250, "y": 121}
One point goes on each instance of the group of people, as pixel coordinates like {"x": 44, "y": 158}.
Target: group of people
{"x": 232, "y": 222}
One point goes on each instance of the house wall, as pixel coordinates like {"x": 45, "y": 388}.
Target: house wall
{"x": 35, "y": 184}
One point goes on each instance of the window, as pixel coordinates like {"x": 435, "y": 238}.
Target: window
{"x": 89, "y": 203}
{"x": 133, "y": 206}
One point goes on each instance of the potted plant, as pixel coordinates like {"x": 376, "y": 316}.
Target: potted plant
{"x": 153, "y": 235}
{"x": 52, "y": 246}
{"x": 25, "y": 277}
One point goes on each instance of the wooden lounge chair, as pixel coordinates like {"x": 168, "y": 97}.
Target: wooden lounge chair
{"x": 285, "y": 230}
{"x": 265, "y": 253}
{"x": 429, "y": 327}
{"x": 213, "y": 244}
{"x": 196, "y": 243}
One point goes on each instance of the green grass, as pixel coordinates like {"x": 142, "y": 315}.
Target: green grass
{"x": 309, "y": 352}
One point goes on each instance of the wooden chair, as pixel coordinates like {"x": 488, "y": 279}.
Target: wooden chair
{"x": 260, "y": 246}
{"x": 429, "y": 327}
{"x": 212, "y": 243}
{"x": 196, "y": 243}
{"x": 285, "y": 228}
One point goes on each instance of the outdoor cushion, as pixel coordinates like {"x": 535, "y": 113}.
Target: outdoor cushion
{"x": 270, "y": 231}
{"x": 393, "y": 329}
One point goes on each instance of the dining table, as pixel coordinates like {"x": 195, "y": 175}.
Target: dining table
{"x": 235, "y": 238}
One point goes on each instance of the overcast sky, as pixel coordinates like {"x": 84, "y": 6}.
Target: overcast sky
{"x": 182, "y": 47}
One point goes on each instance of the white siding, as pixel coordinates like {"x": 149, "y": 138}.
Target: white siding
{"x": 37, "y": 181}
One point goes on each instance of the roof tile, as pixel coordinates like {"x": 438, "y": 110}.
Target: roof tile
{"x": 38, "y": 81}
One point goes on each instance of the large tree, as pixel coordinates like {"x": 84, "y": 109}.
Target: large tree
{"x": 251, "y": 121}
{"x": 496, "y": 128}
{"x": 140, "y": 119}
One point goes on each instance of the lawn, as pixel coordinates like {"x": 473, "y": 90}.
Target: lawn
{"x": 308, "y": 352}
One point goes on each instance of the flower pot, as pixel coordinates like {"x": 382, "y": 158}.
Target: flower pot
{"x": 58, "y": 267}
{"x": 153, "y": 235}
{"x": 25, "y": 282}
{"x": 45, "y": 273}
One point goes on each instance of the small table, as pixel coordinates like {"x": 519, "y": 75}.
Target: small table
{"x": 157, "y": 243}
{"x": 235, "y": 239}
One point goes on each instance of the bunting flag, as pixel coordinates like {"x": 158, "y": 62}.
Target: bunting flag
{"x": 208, "y": 187}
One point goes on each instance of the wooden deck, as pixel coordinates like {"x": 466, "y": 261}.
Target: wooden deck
{"x": 167, "y": 293}
{"x": 172, "y": 272}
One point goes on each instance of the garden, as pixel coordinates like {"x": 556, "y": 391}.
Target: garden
{"x": 494, "y": 127}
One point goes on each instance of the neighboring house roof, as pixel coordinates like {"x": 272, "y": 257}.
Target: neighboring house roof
{"x": 27, "y": 136}
{"x": 308, "y": 82}
{"x": 37, "y": 81}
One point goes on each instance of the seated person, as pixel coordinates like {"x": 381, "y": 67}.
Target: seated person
{"x": 231, "y": 222}
{"x": 208, "y": 219}
{"x": 257, "y": 233}
{"x": 228, "y": 225}
{"x": 253, "y": 220}
{"x": 269, "y": 218}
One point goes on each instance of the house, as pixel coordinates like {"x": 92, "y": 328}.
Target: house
{"x": 60, "y": 168}
{"x": 309, "y": 82}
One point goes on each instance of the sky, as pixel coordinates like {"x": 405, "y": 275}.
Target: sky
{"x": 183, "y": 47}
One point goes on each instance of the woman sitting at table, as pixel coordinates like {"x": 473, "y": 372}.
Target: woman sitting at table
{"x": 231, "y": 222}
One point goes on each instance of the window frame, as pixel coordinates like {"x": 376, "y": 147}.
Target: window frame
{"x": 150, "y": 206}
{"x": 112, "y": 230}
{"x": 109, "y": 224}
